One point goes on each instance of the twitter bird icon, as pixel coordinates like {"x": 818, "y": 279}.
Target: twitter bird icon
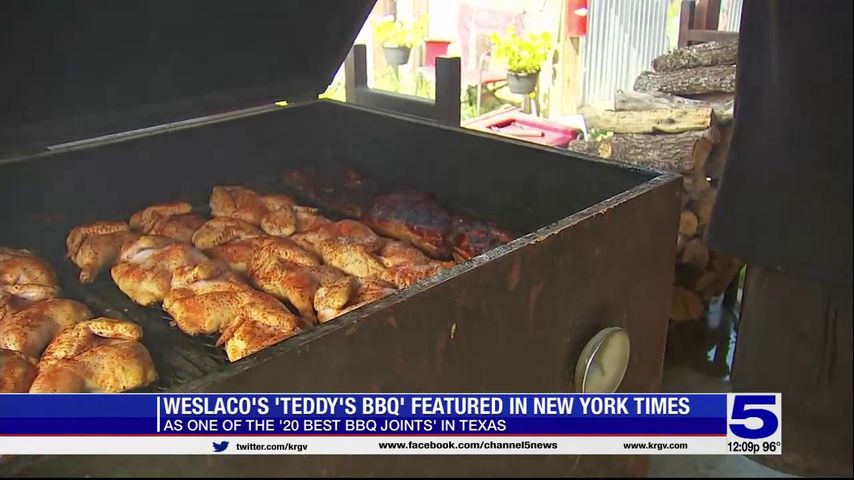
{"x": 220, "y": 447}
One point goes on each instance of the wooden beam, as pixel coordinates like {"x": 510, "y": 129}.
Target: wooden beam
{"x": 707, "y": 15}
{"x": 686, "y": 17}
{"x": 700, "y": 36}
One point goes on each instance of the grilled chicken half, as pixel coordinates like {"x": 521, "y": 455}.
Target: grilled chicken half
{"x": 111, "y": 367}
{"x": 273, "y": 213}
{"x": 30, "y": 330}
{"x": 220, "y": 230}
{"x": 361, "y": 292}
{"x": 347, "y": 245}
{"x": 73, "y": 340}
{"x": 355, "y": 249}
{"x": 173, "y": 220}
{"x": 96, "y": 246}
{"x": 101, "y": 355}
{"x": 147, "y": 264}
{"x": 17, "y": 372}
{"x": 209, "y": 299}
{"x": 24, "y": 279}
{"x": 19, "y": 267}
{"x": 239, "y": 253}
{"x": 298, "y": 284}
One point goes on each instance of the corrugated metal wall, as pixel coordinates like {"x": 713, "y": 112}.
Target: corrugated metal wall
{"x": 623, "y": 36}
{"x": 730, "y": 18}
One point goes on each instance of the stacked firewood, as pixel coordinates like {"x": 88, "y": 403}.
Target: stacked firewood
{"x": 678, "y": 119}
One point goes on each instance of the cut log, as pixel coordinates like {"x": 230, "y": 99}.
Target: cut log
{"x": 696, "y": 184}
{"x": 702, "y": 55}
{"x": 685, "y": 305}
{"x": 681, "y": 240}
{"x": 679, "y": 152}
{"x": 686, "y": 276}
{"x": 654, "y": 121}
{"x": 727, "y": 268}
{"x": 718, "y": 157}
{"x": 687, "y": 224}
{"x": 703, "y": 207}
{"x": 705, "y": 280}
{"x": 629, "y": 101}
{"x": 691, "y": 81}
{"x": 695, "y": 254}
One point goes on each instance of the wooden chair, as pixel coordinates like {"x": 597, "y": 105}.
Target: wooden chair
{"x": 444, "y": 110}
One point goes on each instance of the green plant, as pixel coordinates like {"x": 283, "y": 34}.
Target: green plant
{"x": 596, "y": 134}
{"x": 524, "y": 54}
{"x": 398, "y": 33}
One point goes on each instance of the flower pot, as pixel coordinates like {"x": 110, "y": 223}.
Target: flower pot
{"x": 396, "y": 56}
{"x": 522, "y": 83}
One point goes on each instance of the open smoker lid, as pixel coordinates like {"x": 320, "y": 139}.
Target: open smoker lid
{"x": 79, "y": 69}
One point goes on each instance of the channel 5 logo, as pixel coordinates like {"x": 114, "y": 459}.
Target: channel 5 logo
{"x": 754, "y": 416}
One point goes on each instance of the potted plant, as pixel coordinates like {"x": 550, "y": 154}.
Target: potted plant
{"x": 524, "y": 55}
{"x": 398, "y": 37}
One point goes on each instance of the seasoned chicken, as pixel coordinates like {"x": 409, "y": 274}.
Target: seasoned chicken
{"x": 207, "y": 277}
{"x": 220, "y": 230}
{"x": 407, "y": 265}
{"x": 348, "y": 231}
{"x": 404, "y": 276}
{"x": 295, "y": 283}
{"x": 192, "y": 276}
{"x": 19, "y": 267}
{"x": 273, "y": 213}
{"x": 248, "y": 320}
{"x": 146, "y": 267}
{"x": 471, "y": 238}
{"x": 308, "y": 219}
{"x": 30, "y": 330}
{"x": 215, "y": 310}
{"x": 365, "y": 290}
{"x": 17, "y": 372}
{"x": 254, "y": 331}
{"x": 394, "y": 253}
{"x": 173, "y": 220}
{"x": 334, "y": 186}
{"x": 86, "y": 335}
{"x": 238, "y": 253}
{"x": 14, "y": 298}
{"x": 336, "y": 294}
{"x": 96, "y": 247}
{"x": 352, "y": 258}
{"x": 24, "y": 279}
{"x": 208, "y": 298}
{"x": 347, "y": 245}
{"x": 111, "y": 367}
{"x": 413, "y": 217}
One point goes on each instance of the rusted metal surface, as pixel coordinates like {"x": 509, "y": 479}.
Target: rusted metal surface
{"x": 599, "y": 254}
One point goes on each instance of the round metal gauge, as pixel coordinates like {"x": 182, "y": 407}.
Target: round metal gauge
{"x": 603, "y": 362}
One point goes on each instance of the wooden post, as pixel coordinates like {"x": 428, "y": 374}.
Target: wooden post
{"x": 355, "y": 72}
{"x": 565, "y": 92}
{"x": 448, "y": 84}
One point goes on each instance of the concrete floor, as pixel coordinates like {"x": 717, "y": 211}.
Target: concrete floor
{"x": 699, "y": 357}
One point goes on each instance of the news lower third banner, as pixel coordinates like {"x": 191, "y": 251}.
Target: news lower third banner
{"x": 390, "y": 424}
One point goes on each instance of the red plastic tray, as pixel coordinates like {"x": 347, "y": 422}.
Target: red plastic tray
{"x": 516, "y": 124}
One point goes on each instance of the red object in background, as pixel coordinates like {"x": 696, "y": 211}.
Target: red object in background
{"x": 576, "y": 18}
{"x": 514, "y": 123}
{"x": 433, "y": 49}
